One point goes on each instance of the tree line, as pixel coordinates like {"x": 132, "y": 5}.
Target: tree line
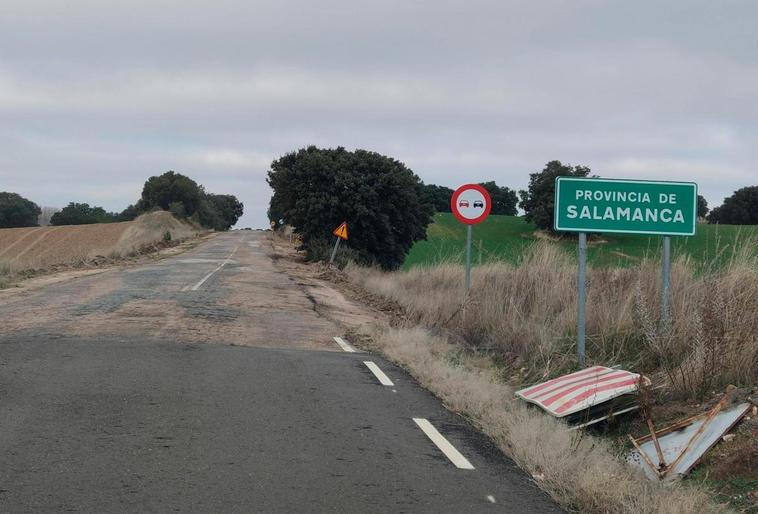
{"x": 171, "y": 191}
{"x": 388, "y": 207}
{"x": 538, "y": 201}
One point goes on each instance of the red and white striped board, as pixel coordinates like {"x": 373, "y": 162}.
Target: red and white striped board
{"x": 579, "y": 391}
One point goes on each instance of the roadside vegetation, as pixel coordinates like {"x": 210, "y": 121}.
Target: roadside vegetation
{"x": 381, "y": 200}
{"x": 518, "y": 327}
{"x": 524, "y": 314}
{"x": 582, "y": 472}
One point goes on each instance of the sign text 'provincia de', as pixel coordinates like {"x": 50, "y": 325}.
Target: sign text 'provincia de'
{"x": 626, "y": 206}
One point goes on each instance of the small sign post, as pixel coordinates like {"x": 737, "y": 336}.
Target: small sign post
{"x": 629, "y": 207}
{"x": 341, "y": 233}
{"x": 470, "y": 204}
{"x": 665, "y": 283}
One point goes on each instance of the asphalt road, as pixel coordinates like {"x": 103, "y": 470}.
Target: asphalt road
{"x": 208, "y": 382}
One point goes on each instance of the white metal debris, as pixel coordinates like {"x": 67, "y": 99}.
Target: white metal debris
{"x": 689, "y": 438}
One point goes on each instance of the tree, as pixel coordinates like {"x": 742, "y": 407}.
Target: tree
{"x": 438, "y": 197}
{"x": 702, "y": 206}
{"x": 539, "y": 200}
{"x": 228, "y": 208}
{"x": 739, "y": 209}
{"x": 82, "y": 214}
{"x": 17, "y": 211}
{"x": 379, "y": 197}
{"x": 504, "y": 199}
{"x": 171, "y": 187}
{"x": 132, "y": 211}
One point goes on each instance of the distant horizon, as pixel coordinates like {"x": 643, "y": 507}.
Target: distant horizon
{"x": 95, "y": 99}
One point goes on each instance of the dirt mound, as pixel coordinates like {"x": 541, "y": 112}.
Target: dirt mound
{"x": 40, "y": 247}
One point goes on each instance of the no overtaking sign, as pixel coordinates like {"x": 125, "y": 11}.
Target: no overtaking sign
{"x": 471, "y": 204}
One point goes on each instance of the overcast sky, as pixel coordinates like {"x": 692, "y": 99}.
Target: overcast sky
{"x": 95, "y": 96}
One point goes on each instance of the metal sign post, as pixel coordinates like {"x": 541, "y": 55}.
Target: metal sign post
{"x": 341, "y": 233}
{"x": 665, "y": 284}
{"x": 334, "y": 251}
{"x": 470, "y": 204}
{"x": 585, "y": 205}
{"x": 468, "y": 257}
{"x": 582, "y": 300}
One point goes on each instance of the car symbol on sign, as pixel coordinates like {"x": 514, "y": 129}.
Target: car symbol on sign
{"x": 463, "y": 203}
{"x": 479, "y": 203}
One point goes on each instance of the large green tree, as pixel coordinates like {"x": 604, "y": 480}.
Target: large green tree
{"x": 504, "y": 199}
{"x": 81, "y": 214}
{"x": 702, "y": 206}
{"x": 172, "y": 187}
{"x": 17, "y": 211}
{"x": 438, "y": 197}
{"x": 380, "y": 198}
{"x": 538, "y": 201}
{"x": 739, "y": 209}
{"x": 227, "y": 208}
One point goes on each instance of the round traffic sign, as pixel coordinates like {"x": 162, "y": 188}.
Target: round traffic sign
{"x": 471, "y": 204}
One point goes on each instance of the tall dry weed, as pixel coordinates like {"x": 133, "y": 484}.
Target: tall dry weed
{"x": 6, "y": 273}
{"x": 525, "y": 314}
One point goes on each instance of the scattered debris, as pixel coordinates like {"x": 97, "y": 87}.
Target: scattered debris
{"x": 670, "y": 453}
{"x": 587, "y": 396}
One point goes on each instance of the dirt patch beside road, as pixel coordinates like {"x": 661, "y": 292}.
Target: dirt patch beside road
{"x": 319, "y": 281}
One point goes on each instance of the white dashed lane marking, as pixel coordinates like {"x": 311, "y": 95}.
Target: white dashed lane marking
{"x": 344, "y": 345}
{"x": 209, "y": 275}
{"x": 378, "y": 373}
{"x": 458, "y": 460}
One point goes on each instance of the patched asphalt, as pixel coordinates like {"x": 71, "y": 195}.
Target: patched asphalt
{"x": 131, "y": 419}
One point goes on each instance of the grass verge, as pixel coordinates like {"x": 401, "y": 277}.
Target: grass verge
{"x": 517, "y": 326}
{"x": 581, "y": 472}
{"x": 525, "y": 315}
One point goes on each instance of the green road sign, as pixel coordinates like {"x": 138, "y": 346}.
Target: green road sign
{"x": 627, "y": 206}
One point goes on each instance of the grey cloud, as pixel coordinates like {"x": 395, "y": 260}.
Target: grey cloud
{"x": 93, "y": 100}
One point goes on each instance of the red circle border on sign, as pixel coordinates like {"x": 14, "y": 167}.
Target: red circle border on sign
{"x": 454, "y": 204}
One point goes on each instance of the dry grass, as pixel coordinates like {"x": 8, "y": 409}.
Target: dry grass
{"x": 151, "y": 228}
{"x": 525, "y": 315}
{"x": 6, "y": 273}
{"x": 579, "y": 471}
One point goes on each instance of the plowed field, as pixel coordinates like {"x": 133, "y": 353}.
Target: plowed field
{"x": 41, "y": 247}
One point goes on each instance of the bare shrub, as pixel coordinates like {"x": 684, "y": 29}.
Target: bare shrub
{"x": 6, "y": 273}
{"x": 526, "y": 314}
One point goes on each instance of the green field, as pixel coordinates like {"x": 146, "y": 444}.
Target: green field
{"x": 506, "y": 238}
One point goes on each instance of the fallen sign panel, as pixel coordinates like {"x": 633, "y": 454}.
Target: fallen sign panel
{"x": 684, "y": 443}
{"x": 583, "y": 392}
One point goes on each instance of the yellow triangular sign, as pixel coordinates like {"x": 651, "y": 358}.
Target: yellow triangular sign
{"x": 341, "y": 231}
